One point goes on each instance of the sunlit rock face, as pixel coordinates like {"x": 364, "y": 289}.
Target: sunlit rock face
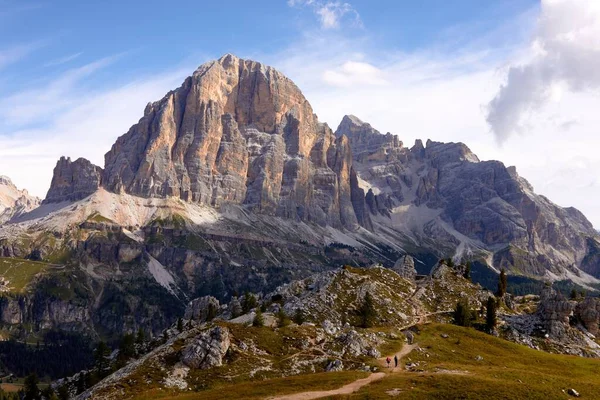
{"x": 239, "y": 132}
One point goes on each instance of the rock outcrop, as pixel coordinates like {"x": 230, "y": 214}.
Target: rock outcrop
{"x": 405, "y": 267}
{"x": 73, "y": 180}
{"x": 554, "y": 311}
{"x": 208, "y": 349}
{"x": 238, "y": 132}
{"x": 202, "y": 309}
{"x": 14, "y": 202}
{"x": 588, "y": 312}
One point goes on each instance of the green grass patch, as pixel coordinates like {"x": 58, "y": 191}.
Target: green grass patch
{"x": 20, "y": 272}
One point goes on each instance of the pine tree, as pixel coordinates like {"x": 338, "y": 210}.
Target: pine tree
{"x": 258, "y": 319}
{"x": 298, "y": 317}
{"x": 490, "y": 315}
{"x": 141, "y": 336}
{"x": 502, "y": 283}
{"x": 367, "y": 312}
{"x": 127, "y": 347}
{"x": 573, "y": 295}
{"x": 462, "y": 314}
{"x": 249, "y": 302}
{"x": 101, "y": 357}
{"x": 467, "y": 274}
{"x": 282, "y": 318}
{"x": 30, "y": 388}
{"x": 179, "y": 324}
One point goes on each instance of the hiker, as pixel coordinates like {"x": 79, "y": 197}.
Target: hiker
{"x": 396, "y": 361}
{"x": 388, "y": 360}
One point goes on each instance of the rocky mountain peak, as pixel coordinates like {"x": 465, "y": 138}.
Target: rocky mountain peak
{"x": 73, "y": 180}
{"x": 14, "y": 202}
{"x": 238, "y": 132}
{"x": 6, "y": 181}
{"x": 367, "y": 143}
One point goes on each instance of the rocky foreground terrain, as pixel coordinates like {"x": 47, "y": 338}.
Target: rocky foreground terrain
{"x": 216, "y": 346}
{"x": 231, "y": 183}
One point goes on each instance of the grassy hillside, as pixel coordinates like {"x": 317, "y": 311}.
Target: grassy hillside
{"x": 449, "y": 368}
{"x": 467, "y": 364}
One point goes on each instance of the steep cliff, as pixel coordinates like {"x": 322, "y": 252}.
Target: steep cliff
{"x": 239, "y": 132}
{"x": 73, "y": 180}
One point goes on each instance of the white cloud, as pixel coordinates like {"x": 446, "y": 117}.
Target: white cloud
{"x": 354, "y": 73}
{"x": 330, "y": 13}
{"x": 440, "y": 95}
{"x": 565, "y": 55}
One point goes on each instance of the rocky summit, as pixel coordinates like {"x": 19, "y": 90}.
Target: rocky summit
{"x": 14, "y": 202}
{"x": 238, "y": 132}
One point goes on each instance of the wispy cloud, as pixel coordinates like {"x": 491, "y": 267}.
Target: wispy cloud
{"x": 13, "y": 54}
{"x": 330, "y": 13}
{"x": 66, "y": 118}
{"x": 63, "y": 60}
{"x": 39, "y": 104}
{"x": 564, "y": 55}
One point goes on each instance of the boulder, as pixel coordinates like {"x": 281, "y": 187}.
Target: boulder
{"x": 207, "y": 349}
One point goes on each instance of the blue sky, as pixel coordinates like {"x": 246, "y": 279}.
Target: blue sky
{"x": 497, "y": 75}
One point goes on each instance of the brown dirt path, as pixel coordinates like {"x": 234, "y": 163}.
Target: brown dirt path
{"x": 406, "y": 349}
{"x": 347, "y": 389}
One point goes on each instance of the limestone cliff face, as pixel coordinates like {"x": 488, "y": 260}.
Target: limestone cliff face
{"x": 73, "y": 180}
{"x": 14, "y": 202}
{"x": 238, "y": 132}
{"x": 444, "y": 192}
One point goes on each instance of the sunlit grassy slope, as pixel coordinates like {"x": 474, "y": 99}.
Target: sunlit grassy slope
{"x": 448, "y": 368}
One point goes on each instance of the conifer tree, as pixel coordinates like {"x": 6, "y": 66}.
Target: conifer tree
{"x": 30, "y": 388}
{"x": 180, "y": 324}
{"x": 490, "y": 315}
{"x": 462, "y": 314}
{"x": 502, "y": 283}
{"x": 367, "y": 312}
{"x": 258, "y": 319}
{"x": 282, "y": 318}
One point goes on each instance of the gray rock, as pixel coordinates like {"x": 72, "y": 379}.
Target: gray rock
{"x": 73, "y": 180}
{"x": 335, "y": 366}
{"x": 554, "y": 311}
{"x": 207, "y": 349}
{"x": 405, "y": 267}
{"x": 199, "y": 309}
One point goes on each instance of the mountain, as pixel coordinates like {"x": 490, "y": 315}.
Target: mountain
{"x": 14, "y": 202}
{"x": 230, "y": 184}
{"x": 237, "y": 132}
{"x": 443, "y": 194}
